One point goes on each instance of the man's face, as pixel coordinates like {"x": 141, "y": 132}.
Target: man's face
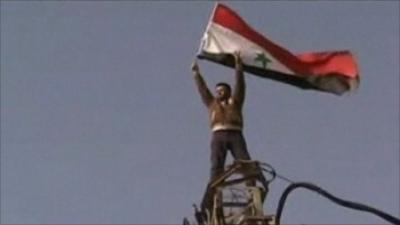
{"x": 222, "y": 93}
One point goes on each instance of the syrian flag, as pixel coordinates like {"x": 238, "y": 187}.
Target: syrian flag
{"x": 332, "y": 71}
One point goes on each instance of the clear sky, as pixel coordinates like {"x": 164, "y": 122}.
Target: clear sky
{"x": 101, "y": 121}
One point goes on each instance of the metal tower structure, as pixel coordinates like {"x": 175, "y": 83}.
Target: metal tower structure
{"x": 236, "y": 197}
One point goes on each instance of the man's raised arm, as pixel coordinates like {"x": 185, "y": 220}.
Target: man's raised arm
{"x": 205, "y": 93}
{"x": 240, "y": 85}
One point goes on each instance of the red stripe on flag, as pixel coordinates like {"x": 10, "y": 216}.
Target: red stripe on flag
{"x": 327, "y": 62}
{"x": 307, "y": 64}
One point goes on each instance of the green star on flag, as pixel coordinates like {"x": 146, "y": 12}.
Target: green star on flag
{"x": 264, "y": 60}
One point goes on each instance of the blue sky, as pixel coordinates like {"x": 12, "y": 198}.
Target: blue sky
{"x": 101, "y": 122}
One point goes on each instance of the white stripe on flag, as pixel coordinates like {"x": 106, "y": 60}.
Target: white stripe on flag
{"x": 218, "y": 40}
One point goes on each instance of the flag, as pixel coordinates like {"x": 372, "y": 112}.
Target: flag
{"x": 330, "y": 71}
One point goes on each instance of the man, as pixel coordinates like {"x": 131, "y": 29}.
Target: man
{"x": 226, "y": 119}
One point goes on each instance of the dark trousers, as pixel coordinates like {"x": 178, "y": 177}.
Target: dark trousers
{"x": 221, "y": 142}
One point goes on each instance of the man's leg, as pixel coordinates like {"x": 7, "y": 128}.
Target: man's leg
{"x": 218, "y": 155}
{"x": 239, "y": 151}
{"x": 238, "y": 146}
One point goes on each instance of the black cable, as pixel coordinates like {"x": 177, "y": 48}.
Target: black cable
{"x": 353, "y": 205}
{"x": 345, "y": 203}
{"x": 271, "y": 170}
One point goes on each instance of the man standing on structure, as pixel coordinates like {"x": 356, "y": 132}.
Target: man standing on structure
{"x": 225, "y": 112}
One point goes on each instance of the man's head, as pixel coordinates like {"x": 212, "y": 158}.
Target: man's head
{"x": 223, "y": 91}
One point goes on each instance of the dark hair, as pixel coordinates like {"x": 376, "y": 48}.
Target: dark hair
{"x": 223, "y": 84}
